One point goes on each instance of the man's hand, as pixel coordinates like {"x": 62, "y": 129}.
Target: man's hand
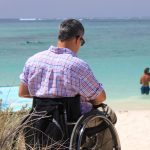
{"x": 99, "y": 99}
{"x": 23, "y": 91}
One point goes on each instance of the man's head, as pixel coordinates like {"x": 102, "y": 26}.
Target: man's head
{"x": 71, "y": 29}
{"x": 146, "y": 70}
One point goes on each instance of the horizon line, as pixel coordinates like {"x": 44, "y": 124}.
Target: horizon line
{"x": 80, "y": 18}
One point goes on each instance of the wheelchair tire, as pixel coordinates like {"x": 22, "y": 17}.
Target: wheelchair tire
{"x": 100, "y": 137}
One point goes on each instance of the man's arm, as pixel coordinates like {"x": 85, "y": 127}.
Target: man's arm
{"x": 23, "y": 91}
{"x": 149, "y": 77}
{"x": 141, "y": 80}
{"x": 99, "y": 99}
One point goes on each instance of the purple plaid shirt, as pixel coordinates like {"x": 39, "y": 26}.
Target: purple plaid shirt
{"x": 58, "y": 72}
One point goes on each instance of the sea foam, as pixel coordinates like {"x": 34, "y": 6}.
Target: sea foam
{"x": 10, "y": 99}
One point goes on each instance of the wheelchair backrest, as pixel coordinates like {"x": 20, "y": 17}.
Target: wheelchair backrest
{"x": 61, "y": 113}
{"x": 70, "y": 105}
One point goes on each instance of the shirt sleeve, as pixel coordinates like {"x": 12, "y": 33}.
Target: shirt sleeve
{"x": 90, "y": 88}
{"x": 24, "y": 75}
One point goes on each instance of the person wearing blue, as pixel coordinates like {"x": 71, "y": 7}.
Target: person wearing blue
{"x": 144, "y": 80}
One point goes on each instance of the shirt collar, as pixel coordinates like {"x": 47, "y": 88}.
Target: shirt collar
{"x": 58, "y": 50}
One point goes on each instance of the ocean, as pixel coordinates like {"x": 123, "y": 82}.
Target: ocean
{"x": 117, "y": 50}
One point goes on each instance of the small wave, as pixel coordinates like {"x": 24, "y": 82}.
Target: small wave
{"x": 32, "y": 19}
{"x": 27, "y": 19}
{"x": 80, "y": 19}
{"x": 34, "y": 42}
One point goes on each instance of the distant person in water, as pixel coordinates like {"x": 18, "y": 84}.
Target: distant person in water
{"x": 144, "y": 80}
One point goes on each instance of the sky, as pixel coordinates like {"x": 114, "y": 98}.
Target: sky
{"x": 74, "y": 8}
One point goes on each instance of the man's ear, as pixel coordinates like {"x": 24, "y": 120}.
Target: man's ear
{"x": 77, "y": 40}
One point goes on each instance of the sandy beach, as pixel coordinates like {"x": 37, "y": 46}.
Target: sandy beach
{"x": 133, "y": 124}
{"x": 134, "y": 129}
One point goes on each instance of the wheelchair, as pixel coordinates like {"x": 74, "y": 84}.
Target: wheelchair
{"x": 94, "y": 131}
{"x": 68, "y": 130}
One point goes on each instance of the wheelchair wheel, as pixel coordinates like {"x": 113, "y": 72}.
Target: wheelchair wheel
{"x": 94, "y": 131}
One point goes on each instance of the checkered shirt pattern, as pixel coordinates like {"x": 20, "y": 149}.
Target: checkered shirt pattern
{"x": 58, "y": 72}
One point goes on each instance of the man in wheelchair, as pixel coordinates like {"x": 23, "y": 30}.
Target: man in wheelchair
{"x": 63, "y": 88}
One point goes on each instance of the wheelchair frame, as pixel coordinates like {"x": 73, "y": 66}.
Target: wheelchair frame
{"x": 80, "y": 128}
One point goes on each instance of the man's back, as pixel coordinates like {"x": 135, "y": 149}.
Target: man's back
{"x": 145, "y": 79}
{"x": 57, "y": 72}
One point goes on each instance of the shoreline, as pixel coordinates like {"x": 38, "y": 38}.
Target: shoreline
{"x": 9, "y": 97}
{"x": 141, "y": 102}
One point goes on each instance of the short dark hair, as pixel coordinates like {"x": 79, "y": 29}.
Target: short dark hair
{"x": 69, "y": 29}
{"x": 146, "y": 70}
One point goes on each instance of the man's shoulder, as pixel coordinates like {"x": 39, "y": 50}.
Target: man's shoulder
{"x": 37, "y": 55}
{"x": 80, "y": 62}
{"x": 79, "y": 65}
{"x": 41, "y": 53}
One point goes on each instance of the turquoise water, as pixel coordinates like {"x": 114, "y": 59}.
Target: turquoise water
{"x": 116, "y": 50}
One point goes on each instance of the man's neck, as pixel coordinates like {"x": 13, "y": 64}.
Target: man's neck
{"x": 68, "y": 45}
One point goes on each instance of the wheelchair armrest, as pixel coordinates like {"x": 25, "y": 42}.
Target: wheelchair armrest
{"x": 102, "y": 105}
{"x": 107, "y": 111}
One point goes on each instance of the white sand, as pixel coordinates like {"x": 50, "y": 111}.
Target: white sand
{"x": 133, "y": 123}
{"x": 133, "y": 127}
